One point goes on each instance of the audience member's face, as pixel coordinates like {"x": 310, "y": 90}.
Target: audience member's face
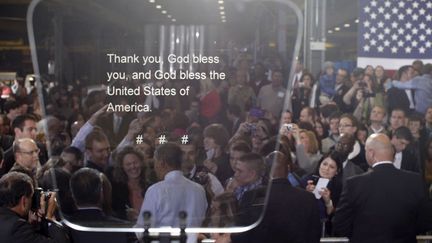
{"x": 28, "y": 155}
{"x": 334, "y": 126}
{"x": 234, "y": 157}
{"x": 29, "y": 130}
{"x": 131, "y": 166}
{"x": 328, "y": 168}
{"x": 305, "y": 117}
{"x": 414, "y": 127}
{"x": 243, "y": 174}
{"x": 286, "y": 118}
{"x": 369, "y": 70}
{"x": 307, "y": 81}
{"x": 377, "y": 114}
{"x": 341, "y": 75}
{"x": 304, "y": 139}
{"x": 397, "y": 119}
{"x": 329, "y": 71}
{"x": 399, "y": 143}
{"x": 319, "y": 129}
{"x": 428, "y": 116}
{"x": 362, "y": 136}
{"x": 99, "y": 152}
{"x": 345, "y": 145}
{"x": 189, "y": 156}
{"x": 346, "y": 126}
{"x": 70, "y": 159}
{"x": 277, "y": 78}
{"x": 379, "y": 72}
{"x": 210, "y": 143}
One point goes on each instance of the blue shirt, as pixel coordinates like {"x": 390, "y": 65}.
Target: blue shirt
{"x": 423, "y": 91}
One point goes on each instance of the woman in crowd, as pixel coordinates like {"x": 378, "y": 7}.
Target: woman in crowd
{"x": 128, "y": 183}
{"x": 428, "y": 167}
{"x": 307, "y": 149}
{"x": 330, "y": 167}
{"x": 215, "y": 140}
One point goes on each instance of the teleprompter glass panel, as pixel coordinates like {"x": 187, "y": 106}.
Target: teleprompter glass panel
{"x": 162, "y": 100}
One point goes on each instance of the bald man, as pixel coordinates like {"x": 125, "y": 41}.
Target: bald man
{"x": 382, "y": 205}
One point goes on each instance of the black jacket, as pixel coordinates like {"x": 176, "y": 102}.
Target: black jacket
{"x": 15, "y": 229}
{"x": 291, "y": 216}
{"x": 381, "y": 205}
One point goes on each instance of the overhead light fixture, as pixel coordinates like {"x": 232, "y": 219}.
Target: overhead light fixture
{"x": 330, "y": 31}
{"x": 336, "y": 28}
{"x": 356, "y": 21}
{"x": 151, "y": 1}
{"x": 173, "y": 20}
{"x": 220, "y": 1}
{"x": 223, "y": 21}
{"x": 221, "y": 7}
{"x": 222, "y": 12}
{"x": 158, "y": 6}
{"x": 347, "y": 25}
{"x": 223, "y": 16}
{"x": 163, "y": 11}
{"x": 169, "y": 16}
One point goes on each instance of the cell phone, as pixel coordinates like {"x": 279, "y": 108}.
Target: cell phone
{"x": 315, "y": 179}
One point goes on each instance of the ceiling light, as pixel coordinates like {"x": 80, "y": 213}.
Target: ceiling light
{"x": 163, "y": 11}
{"x": 330, "y": 31}
{"x": 222, "y": 12}
{"x": 221, "y": 7}
{"x": 173, "y": 20}
{"x": 336, "y": 28}
{"x": 169, "y": 16}
{"x": 223, "y": 20}
{"x": 220, "y": 1}
{"x": 158, "y": 6}
{"x": 356, "y": 21}
{"x": 151, "y": 1}
{"x": 346, "y": 25}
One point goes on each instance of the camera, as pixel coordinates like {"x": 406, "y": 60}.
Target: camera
{"x": 201, "y": 178}
{"x": 38, "y": 193}
{"x": 289, "y": 126}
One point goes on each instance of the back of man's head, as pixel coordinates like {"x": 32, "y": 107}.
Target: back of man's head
{"x": 86, "y": 187}
{"x": 254, "y": 162}
{"x": 13, "y": 186}
{"x": 169, "y": 153}
{"x": 19, "y": 121}
{"x": 379, "y": 148}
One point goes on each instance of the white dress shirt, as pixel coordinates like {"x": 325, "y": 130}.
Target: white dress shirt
{"x": 165, "y": 199}
{"x": 381, "y": 163}
{"x": 398, "y": 160}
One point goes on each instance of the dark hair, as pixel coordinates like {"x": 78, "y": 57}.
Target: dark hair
{"x": 75, "y": 151}
{"x": 352, "y": 118}
{"x": 403, "y": 69}
{"x": 86, "y": 187}
{"x": 19, "y": 121}
{"x": 10, "y": 105}
{"x": 241, "y": 146}
{"x": 1, "y": 154}
{"x": 119, "y": 173}
{"x": 95, "y": 135}
{"x": 403, "y": 133}
{"x": 13, "y": 186}
{"x": 234, "y": 109}
{"x": 337, "y": 157}
{"x": 254, "y": 161}
{"x": 170, "y": 153}
{"x": 219, "y": 133}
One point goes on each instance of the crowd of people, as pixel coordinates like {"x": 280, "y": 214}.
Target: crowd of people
{"x": 324, "y": 158}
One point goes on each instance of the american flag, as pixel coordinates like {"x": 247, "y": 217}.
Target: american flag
{"x": 393, "y": 33}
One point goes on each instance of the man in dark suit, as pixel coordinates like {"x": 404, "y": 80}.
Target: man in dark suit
{"x": 383, "y": 204}
{"x": 404, "y": 159}
{"x": 291, "y": 213}
{"x": 87, "y": 192}
{"x": 16, "y": 192}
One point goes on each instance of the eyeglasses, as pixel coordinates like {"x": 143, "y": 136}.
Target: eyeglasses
{"x": 344, "y": 126}
{"x": 36, "y": 151}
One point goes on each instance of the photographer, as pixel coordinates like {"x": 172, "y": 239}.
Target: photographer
{"x": 21, "y": 218}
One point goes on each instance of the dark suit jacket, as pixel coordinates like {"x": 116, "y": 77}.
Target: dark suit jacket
{"x": 409, "y": 162}
{"x": 381, "y": 205}
{"x": 397, "y": 98}
{"x": 17, "y": 230}
{"x": 291, "y": 216}
{"x": 96, "y": 218}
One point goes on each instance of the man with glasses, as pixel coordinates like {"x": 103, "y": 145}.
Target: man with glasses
{"x": 24, "y": 126}
{"x": 26, "y": 156}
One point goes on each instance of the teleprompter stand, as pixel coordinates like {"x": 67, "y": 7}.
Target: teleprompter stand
{"x": 164, "y": 237}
